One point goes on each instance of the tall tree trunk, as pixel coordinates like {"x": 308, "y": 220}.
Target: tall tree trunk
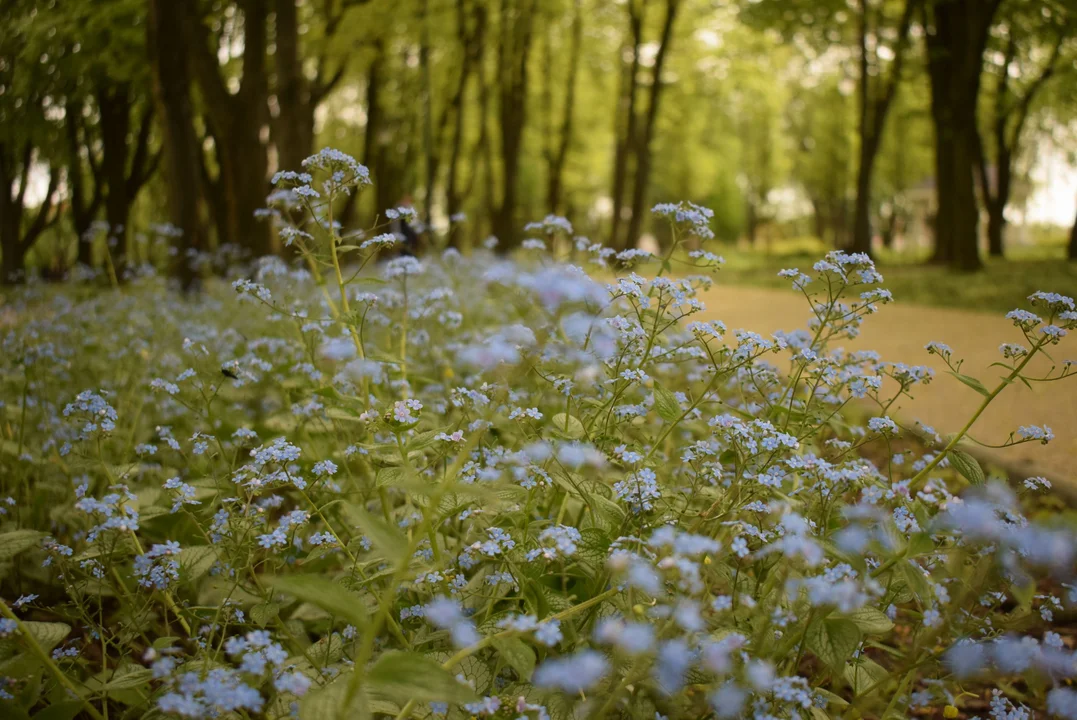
{"x": 515, "y": 50}
{"x": 643, "y": 148}
{"x": 429, "y": 146}
{"x": 294, "y": 128}
{"x": 956, "y": 40}
{"x": 473, "y": 50}
{"x": 182, "y": 153}
{"x": 83, "y": 209}
{"x": 557, "y": 167}
{"x": 15, "y": 241}
{"x": 626, "y": 119}
{"x": 874, "y": 110}
{"x": 114, "y": 104}
{"x": 237, "y": 121}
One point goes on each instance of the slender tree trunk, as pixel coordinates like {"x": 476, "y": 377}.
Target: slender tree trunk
{"x": 237, "y": 121}
{"x": 644, "y": 154}
{"x": 627, "y": 110}
{"x": 557, "y": 168}
{"x": 83, "y": 209}
{"x": 12, "y": 255}
{"x": 171, "y": 82}
{"x": 517, "y": 32}
{"x": 874, "y": 111}
{"x": 429, "y": 146}
{"x": 114, "y": 104}
{"x": 294, "y": 128}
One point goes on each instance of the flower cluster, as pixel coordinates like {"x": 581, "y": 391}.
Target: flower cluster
{"x": 505, "y": 488}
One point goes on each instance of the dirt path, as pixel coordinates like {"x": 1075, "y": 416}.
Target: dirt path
{"x": 899, "y": 332}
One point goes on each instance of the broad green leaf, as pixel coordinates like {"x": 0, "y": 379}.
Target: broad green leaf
{"x": 920, "y": 544}
{"x": 518, "y": 655}
{"x": 833, "y": 640}
{"x": 132, "y": 677}
{"x": 391, "y": 476}
{"x": 327, "y": 594}
{"x": 386, "y": 538}
{"x": 568, "y": 425}
{"x": 264, "y": 613}
{"x": 666, "y": 405}
{"x": 871, "y": 621}
{"x": 864, "y": 674}
{"x": 407, "y": 676}
{"x": 972, "y": 383}
{"x": 15, "y": 542}
{"x": 832, "y": 698}
{"x": 324, "y": 703}
{"x": 968, "y": 466}
{"x": 196, "y": 561}
{"x": 47, "y": 634}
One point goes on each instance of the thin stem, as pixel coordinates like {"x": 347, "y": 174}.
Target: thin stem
{"x": 47, "y": 661}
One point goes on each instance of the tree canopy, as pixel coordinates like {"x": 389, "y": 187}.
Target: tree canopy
{"x": 121, "y": 120}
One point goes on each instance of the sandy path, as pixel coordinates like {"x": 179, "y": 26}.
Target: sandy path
{"x": 899, "y": 332}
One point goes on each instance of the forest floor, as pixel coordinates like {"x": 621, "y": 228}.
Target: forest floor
{"x": 899, "y": 333}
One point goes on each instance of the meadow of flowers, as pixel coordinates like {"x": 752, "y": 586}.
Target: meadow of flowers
{"x": 477, "y": 486}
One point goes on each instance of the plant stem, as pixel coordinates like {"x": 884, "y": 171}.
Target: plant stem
{"x": 51, "y": 666}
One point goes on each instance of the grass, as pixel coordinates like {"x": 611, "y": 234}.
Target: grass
{"x": 1001, "y": 286}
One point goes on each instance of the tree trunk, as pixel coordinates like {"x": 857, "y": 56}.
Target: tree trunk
{"x": 237, "y": 121}
{"x": 516, "y": 34}
{"x": 181, "y": 149}
{"x": 114, "y": 104}
{"x": 294, "y": 129}
{"x": 956, "y": 40}
{"x": 627, "y": 110}
{"x": 83, "y": 209}
{"x": 1071, "y": 249}
{"x": 12, "y": 256}
{"x": 874, "y": 110}
{"x": 557, "y": 167}
{"x": 861, "y": 241}
{"x": 644, "y": 154}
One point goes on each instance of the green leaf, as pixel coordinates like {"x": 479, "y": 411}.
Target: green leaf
{"x": 972, "y": 383}
{"x": 864, "y": 674}
{"x": 133, "y": 677}
{"x": 871, "y": 621}
{"x": 568, "y": 425}
{"x": 407, "y": 676}
{"x": 164, "y": 642}
{"x": 833, "y": 640}
{"x": 666, "y": 405}
{"x": 920, "y": 544}
{"x": 832, "y": 698}
{"x": 518, "y": 655}
{"x": 386, "y": 538}
{"x": 60, "y": 711}
{"x": 196, "y": 561}
{"x": 390, "y": 476}
{"x": 47, "y": 634}
{"x": 325, "y": 702}
{"x": 15, "y": 542}
{"x": 967, "y": 466}
{"x": 327, "y": 594}
{"x": 264, "y": 613}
